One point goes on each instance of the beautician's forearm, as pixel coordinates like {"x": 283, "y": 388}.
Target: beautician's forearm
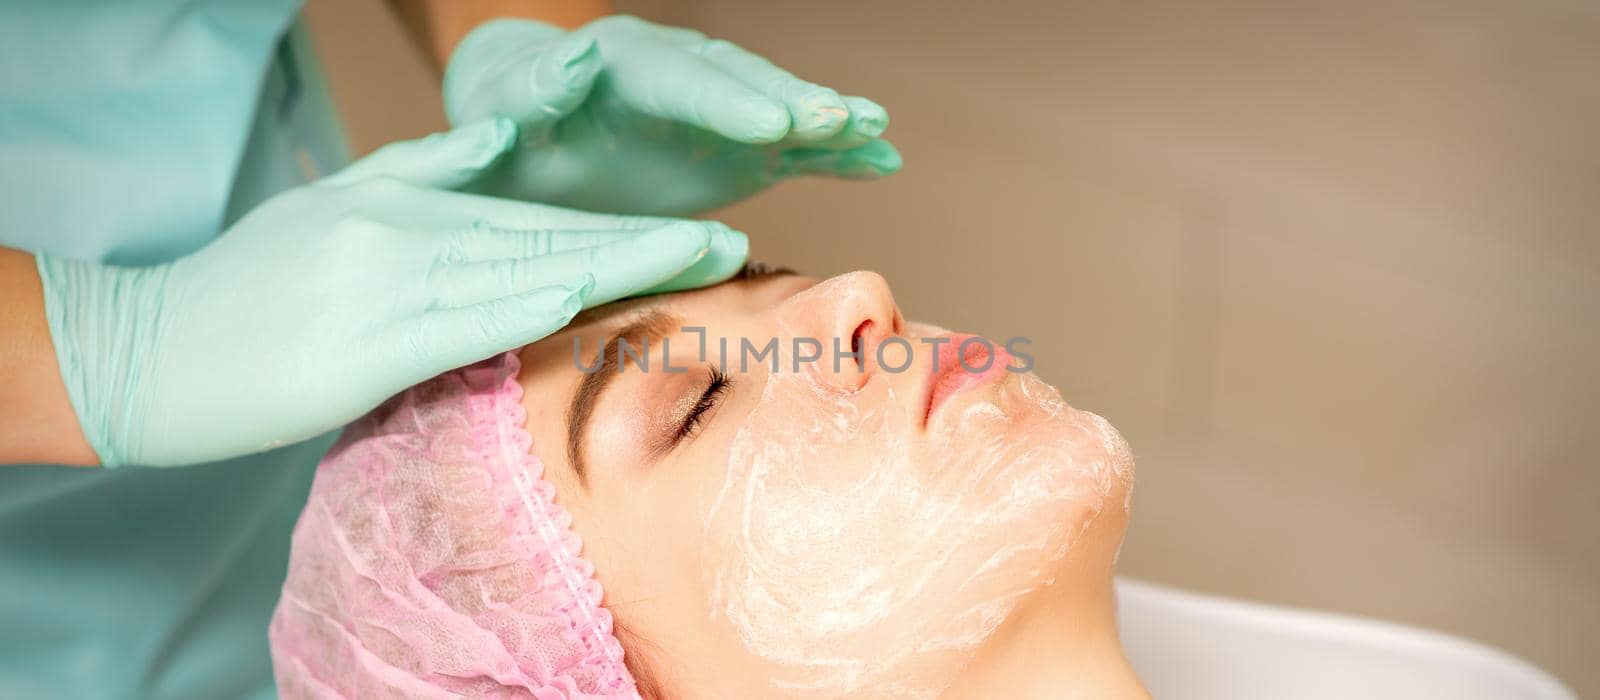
{"x": 439, "y": 25}
{"x": 37, "y": 423}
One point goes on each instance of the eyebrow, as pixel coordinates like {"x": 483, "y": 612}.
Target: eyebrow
{"x": 755, "y": 270}
{"x": 650, "y": 325}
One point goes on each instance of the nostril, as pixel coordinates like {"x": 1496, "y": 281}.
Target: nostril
{"x": 858, "y": 344}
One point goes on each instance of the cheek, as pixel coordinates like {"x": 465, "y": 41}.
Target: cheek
{"x": 644, "y": 539}
{"x": 848, "y": 550}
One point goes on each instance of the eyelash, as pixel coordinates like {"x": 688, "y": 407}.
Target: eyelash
{"x": 719, "y": 386}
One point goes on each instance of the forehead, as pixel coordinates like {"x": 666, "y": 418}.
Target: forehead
{"x": 553, "y": 357}
{"x": 696, "y": 306}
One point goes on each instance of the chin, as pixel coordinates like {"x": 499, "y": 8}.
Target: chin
{"x": 1074, "y": 454}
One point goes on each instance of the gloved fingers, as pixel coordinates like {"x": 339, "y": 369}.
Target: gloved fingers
{"x": 727, "y": 254}
{"x": 620, "y": 268}
{"x": 483, "y": 243}
{"x": 867, "y": 118}
{"x": 443, "y": 210}
{"x": 640, "y": 264}
{"x": 538, "y": 89}
{"x": 677, "y": 36}
{"x": 816, "y": 113}
{"x": 664, "y": 81}
{"x": 447, "y": 159}
{"x": 867, "y": 122}
{"x": 448, "y": 338}
{"x": 871, "y": 161}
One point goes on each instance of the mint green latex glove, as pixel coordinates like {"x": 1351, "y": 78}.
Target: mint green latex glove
{"x": 628, "y": 116}
{"x": 329, "y": 298}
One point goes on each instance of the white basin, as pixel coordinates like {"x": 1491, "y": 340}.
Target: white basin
{"x": 1188, "y": 646}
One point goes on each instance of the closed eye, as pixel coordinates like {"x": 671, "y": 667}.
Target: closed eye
{"x": 714, "y": 392}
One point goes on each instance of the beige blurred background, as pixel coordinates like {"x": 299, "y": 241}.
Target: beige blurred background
{"x": 1333, "y": 268}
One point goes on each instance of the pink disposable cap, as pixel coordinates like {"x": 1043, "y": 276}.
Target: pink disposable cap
{"x": 432, "y": 560}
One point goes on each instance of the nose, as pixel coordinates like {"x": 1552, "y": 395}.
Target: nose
{"x": 849, "y": 316}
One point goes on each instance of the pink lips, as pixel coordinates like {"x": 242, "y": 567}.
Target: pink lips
{"x": 962, "y": 365}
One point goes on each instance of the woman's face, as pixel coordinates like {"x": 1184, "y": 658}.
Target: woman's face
{"x": 766, "y": 523}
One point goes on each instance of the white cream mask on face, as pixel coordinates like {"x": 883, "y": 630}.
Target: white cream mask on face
{"x": 862, "y": 556}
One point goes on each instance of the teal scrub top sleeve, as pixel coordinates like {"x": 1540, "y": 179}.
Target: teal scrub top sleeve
{"x": 133, "y": 133}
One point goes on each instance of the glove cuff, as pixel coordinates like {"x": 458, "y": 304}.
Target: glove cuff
{"x": 100, "y": 344}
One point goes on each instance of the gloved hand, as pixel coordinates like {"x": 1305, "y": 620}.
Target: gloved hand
{"x": 624, "y": 115}
{"x": 329, "y": 298}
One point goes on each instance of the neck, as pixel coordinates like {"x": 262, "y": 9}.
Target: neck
{"x": 1062, "y": 641}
